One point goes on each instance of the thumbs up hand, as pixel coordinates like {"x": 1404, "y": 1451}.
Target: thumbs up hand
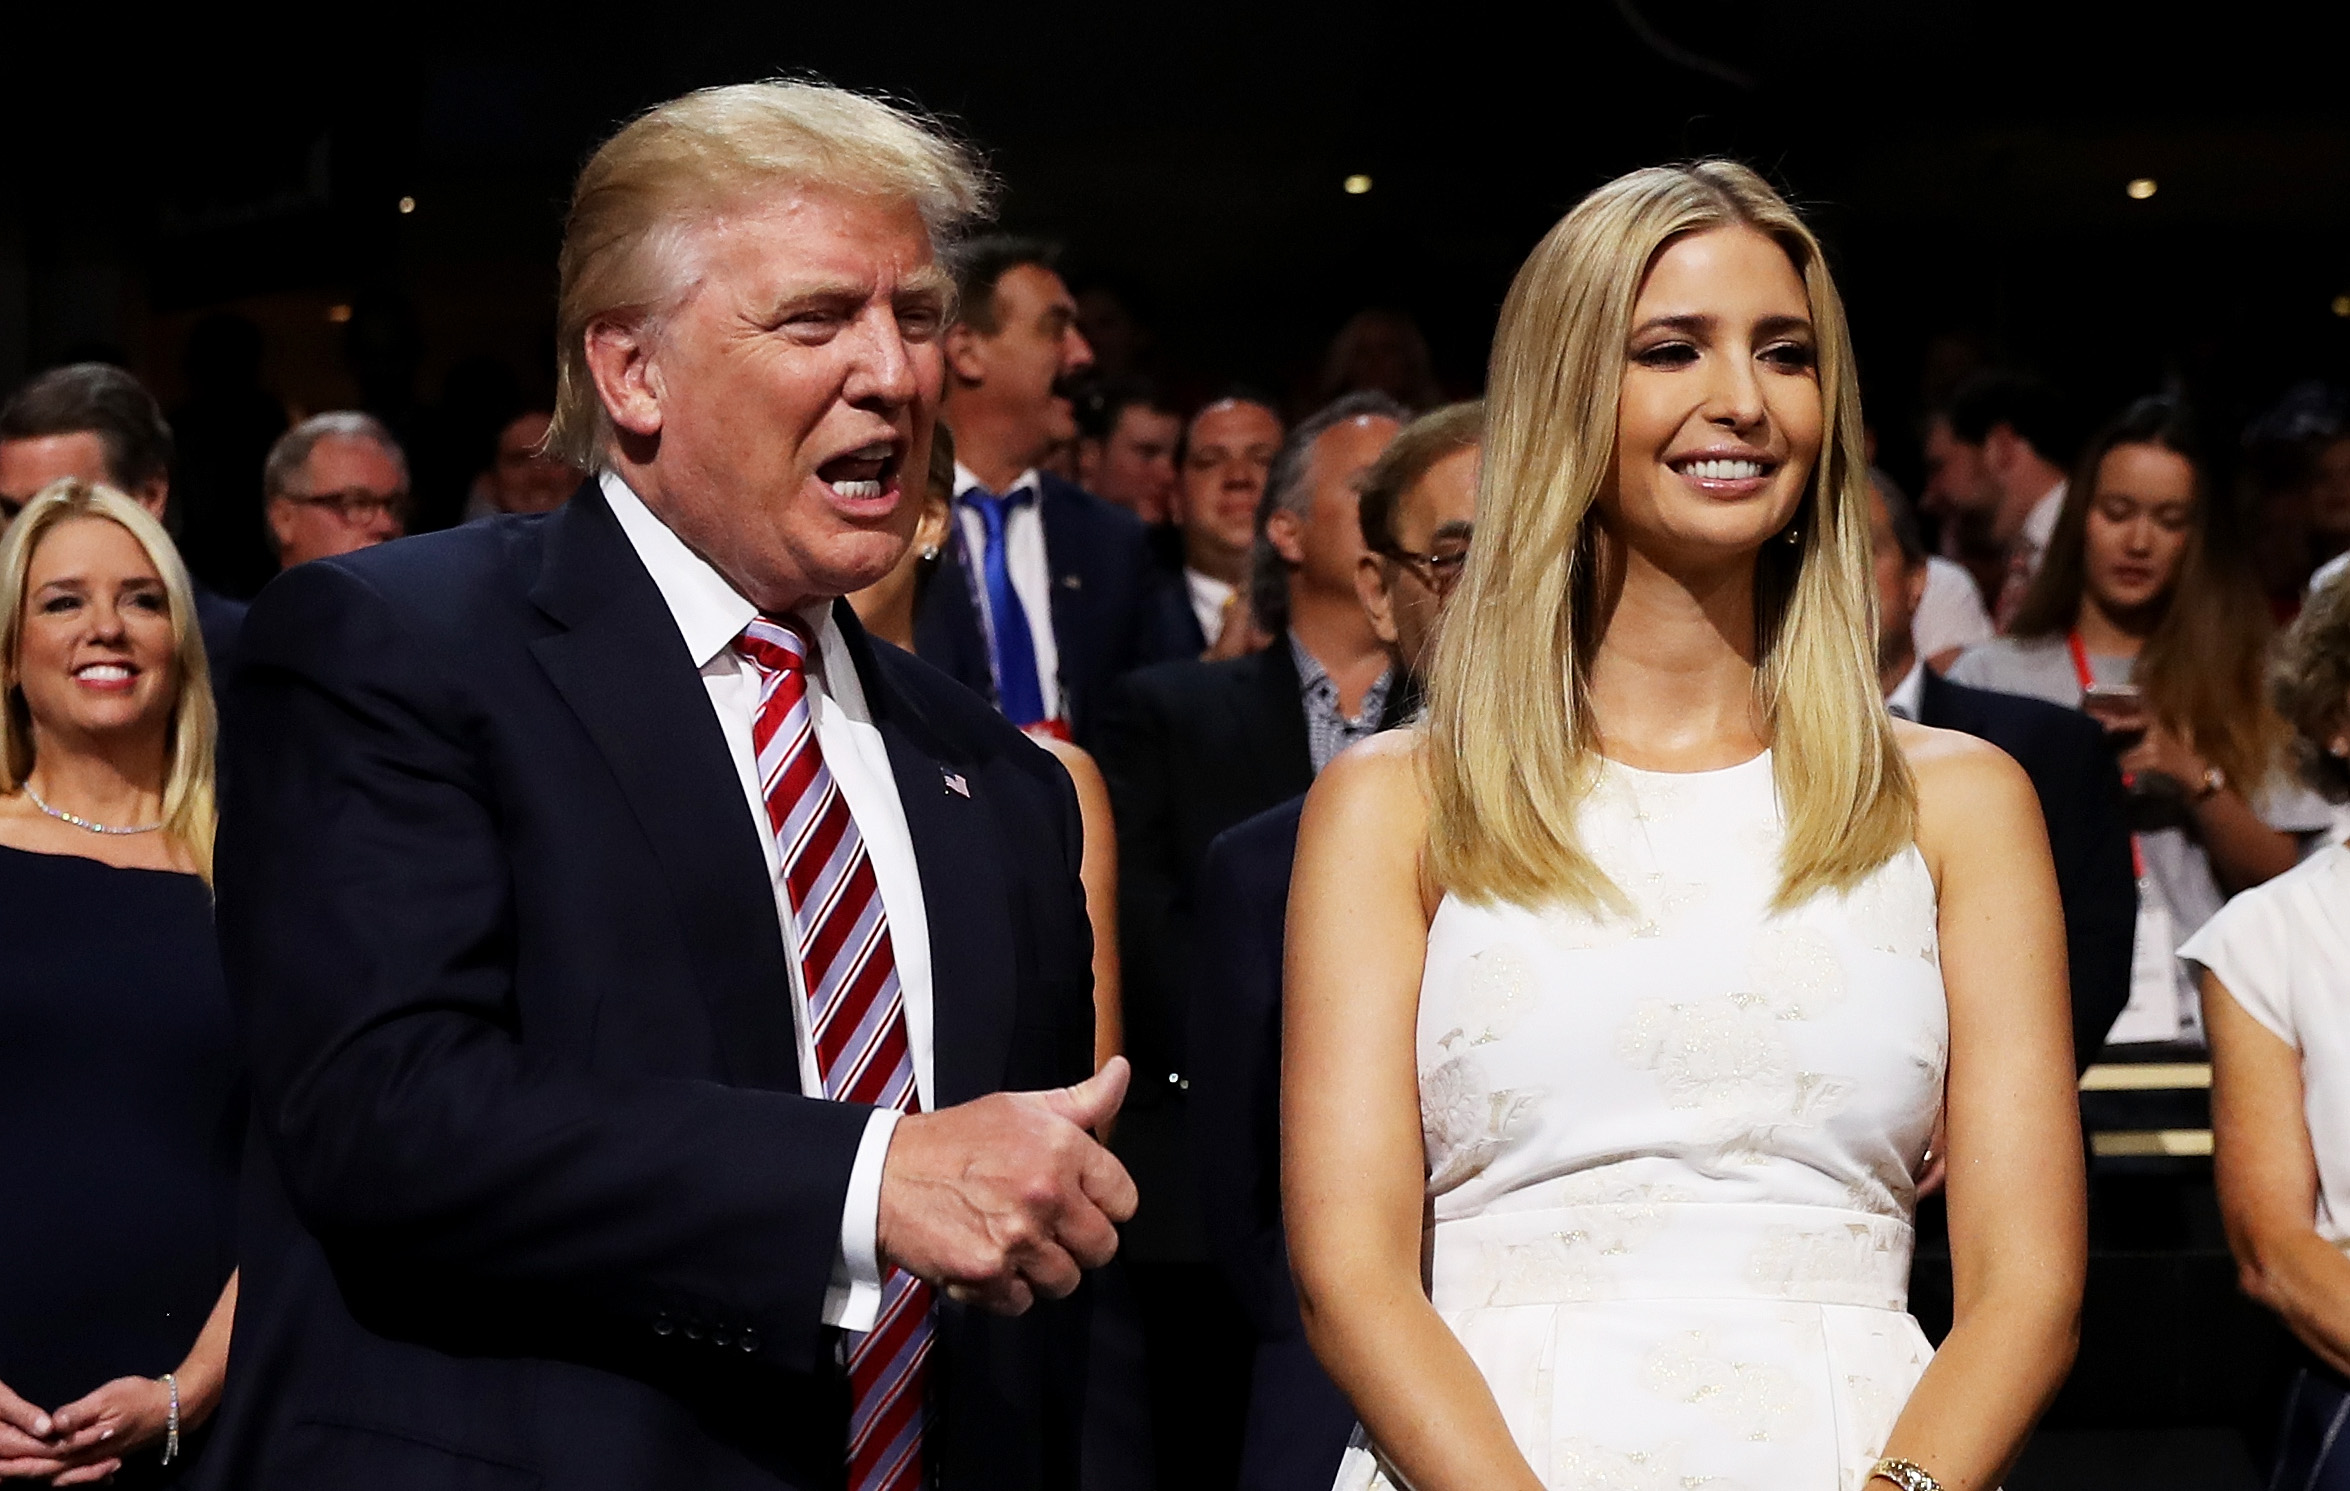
{"x": 1009, "y": 1196}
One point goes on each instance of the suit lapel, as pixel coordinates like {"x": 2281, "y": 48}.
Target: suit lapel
{"x": 965, "y": 897}
{"x": 1072, "y": 605}
{"x": 1278, "y": 700}
{"x": 622, "y": 667}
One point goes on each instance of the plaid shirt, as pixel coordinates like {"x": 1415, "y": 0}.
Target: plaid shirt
{"x": 1328, "y": 730}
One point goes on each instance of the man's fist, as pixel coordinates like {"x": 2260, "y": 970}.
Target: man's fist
{"x": 1000, "y": 1199}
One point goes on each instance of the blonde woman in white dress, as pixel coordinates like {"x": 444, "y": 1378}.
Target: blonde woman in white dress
{"x": 1634, "y": 996}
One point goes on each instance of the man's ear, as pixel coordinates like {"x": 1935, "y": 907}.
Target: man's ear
{"x": 154, "y": 494}
{"x": 281, "y": 523}
{"x": 1914, "y": 582}
{"x": 1286, "y": 533}
{"x": 1378, "y": 601}
{"x": 966, "y": 354}
{"x": 620, "y": 360}
{"x": 2000, "y": 444}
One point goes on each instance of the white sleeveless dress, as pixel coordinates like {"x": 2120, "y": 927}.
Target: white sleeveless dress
{"x": 1672, "y": 1158}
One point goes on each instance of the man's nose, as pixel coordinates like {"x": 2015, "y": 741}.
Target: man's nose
{"x": 883, "y": 372}
{"x": 1076, "y": 352}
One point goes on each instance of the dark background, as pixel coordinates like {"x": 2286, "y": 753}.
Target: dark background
{"x": 1966, "y": 163}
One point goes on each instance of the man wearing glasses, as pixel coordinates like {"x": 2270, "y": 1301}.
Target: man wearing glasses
{"x": 334, "y": 483}
{"x": 1419, "y": 511}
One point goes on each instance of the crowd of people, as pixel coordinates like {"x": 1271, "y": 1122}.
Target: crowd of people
{"x": 1469, "y": 842}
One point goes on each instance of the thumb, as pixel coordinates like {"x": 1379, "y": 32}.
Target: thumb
{"x": 1091, "y": 1103}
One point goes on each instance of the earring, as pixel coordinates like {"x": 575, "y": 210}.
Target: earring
{"x": 2340, "y": 749}
{"x": 929, "y": 553}
{"x": 1793, "y": 536}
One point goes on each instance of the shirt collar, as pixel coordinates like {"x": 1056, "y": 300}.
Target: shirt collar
{"x": 966, "y": 479}
{"x": 710, "y": 613}
{"x": 1909, "y": 695}
{"x": 1313, "y": 678}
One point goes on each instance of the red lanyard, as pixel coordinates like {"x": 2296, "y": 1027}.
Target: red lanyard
{"x": 2081, "y": 671}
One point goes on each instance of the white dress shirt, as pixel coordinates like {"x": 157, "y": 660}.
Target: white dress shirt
{"x": 710, "y": 615}
{"x": 1950, "y": 615}
{"x": 1031, "y": 571}
{"x": 1909, "y": 695}
{"x": 1209, "y": 596}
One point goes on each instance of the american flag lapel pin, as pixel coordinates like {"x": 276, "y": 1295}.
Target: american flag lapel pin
{"x": 955, "y": 783}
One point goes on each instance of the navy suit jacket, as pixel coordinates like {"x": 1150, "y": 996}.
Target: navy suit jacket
{"x": 533, "y": 1198}
{"x": 2072, "y": 768}
{"x": 1298, "y": 1421}
{"x": 1109, "y": 615}
{"x": 220, "y": 619}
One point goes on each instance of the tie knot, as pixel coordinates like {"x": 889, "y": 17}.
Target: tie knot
{"x": 776, "y": 646}
{"x": 995, "y": 507}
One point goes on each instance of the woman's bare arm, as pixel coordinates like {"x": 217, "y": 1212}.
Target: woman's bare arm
{"x": 2018, "y": 1239}
{"x": 1100, "y": 874}
{"x": 2267, "y": 1176}
{"x": 1352, "y": 1163}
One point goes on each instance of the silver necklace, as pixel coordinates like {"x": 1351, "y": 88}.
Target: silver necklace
{"x": 63, "y": 816}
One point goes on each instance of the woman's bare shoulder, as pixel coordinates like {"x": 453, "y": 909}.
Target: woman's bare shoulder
{"x": 1377, "y": 780}
{"x": 1965, "y": 785}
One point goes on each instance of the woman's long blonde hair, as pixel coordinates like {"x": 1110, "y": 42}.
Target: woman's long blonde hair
{"x": 190, "y": 814}
{"x": 1511, "y": 745}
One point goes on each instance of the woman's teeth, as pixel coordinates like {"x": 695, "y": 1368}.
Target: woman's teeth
{"x": 1724, "y": 470}
{"x": 856, "y": 490}
{"x": 103, "y": 673}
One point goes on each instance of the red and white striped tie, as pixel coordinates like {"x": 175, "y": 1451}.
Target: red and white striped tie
{"x": 857, "y": 1018}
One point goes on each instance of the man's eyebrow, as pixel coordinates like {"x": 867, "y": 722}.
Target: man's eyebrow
{"x": 1457, "y": 528}
{"x": 930, "y": 279}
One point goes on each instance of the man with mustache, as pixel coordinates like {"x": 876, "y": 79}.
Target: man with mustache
{"x": 1049, "y": 594}
{"x": 670, "y": 1014}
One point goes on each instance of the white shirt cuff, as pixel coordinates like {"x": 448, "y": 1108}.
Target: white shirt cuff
{"x": 853, "y": 1301}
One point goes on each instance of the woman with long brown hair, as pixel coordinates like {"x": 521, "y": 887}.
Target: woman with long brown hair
{"x": 2146, "y": 614}
{"x": 1634, "y": 995}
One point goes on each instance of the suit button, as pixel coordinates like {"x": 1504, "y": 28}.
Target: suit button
{"x": 748, "y": 1340}
{"x": 1184, "y": 1085}
{"x": 721, "y": 1336}
{"x": 663, "y": 1325}
{"x": 693, "y": 1330}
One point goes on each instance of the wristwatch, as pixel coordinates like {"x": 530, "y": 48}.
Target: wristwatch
{"x": 2214, "y": 782}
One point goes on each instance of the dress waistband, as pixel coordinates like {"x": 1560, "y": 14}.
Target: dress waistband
{"x": 1672, "y": 1250}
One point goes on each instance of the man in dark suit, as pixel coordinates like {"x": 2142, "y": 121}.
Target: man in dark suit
{"x": 663, "y": 1003}
{"x": 1048, "y": 593}
{"x": 2066, "y": 756}
{"x": 1419, "y": 512}
{"x": 1189, "y": 749}
{"x": 95, "y": 422}
{"x": 1227, "y": 453}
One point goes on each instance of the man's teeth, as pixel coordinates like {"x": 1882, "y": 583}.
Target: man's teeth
{"x": 104, "y": 673}
{"x": 857, "y": 489}
{"x": 1724, "y": 470}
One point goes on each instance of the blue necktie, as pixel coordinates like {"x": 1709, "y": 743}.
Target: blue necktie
{"x": 1018, "y": 693}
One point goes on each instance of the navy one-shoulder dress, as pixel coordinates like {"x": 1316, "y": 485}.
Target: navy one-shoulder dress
{"x": 122, "y": 1112}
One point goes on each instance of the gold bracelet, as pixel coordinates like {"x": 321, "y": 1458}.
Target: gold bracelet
{"x": 171, "y": 1430}
{"x": 1902, "y": 1473}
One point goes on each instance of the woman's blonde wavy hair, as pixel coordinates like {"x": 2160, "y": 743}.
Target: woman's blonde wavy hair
{"x": 1511, "y": 746}
{"x": 190, "y": 814}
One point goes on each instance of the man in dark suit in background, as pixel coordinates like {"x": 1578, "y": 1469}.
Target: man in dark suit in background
{"x": 1048, "y": 592}
{"x": 1189, "y": 749}
{"x": 1227, "y": 453}
{"x": 2066, "y": 756}
{"x": 1419, "y": 513}
{"x": 97, "y": 423}
{"x": 642, "y": 971}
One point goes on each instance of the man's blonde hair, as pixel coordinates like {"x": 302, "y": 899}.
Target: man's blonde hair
{"x": 189, "y": 812}
{"x": 1512, "y": 749}
{"x": 697, "y": 157}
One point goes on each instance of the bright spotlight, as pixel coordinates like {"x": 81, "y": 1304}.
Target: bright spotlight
{"x": 2140, "y": 188}
{"x": 1357, "y": 184}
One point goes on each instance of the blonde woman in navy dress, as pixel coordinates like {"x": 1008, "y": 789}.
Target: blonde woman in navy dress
{"x": 1633, "y": 998}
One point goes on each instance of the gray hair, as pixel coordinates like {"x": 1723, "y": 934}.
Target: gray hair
{"x": 695, "y": 157}
{"x": 1288, "y": 489}
{"x": 282, "y": 473}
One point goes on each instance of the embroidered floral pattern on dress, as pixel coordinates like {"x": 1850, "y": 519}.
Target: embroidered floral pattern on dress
{"x": 1751, "y": 1399}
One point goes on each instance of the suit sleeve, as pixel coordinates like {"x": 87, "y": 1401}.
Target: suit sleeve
{"x": 2089, "y": 837}
{"x": 1235, "y": 1066}
{"x": 367, "y": 923}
